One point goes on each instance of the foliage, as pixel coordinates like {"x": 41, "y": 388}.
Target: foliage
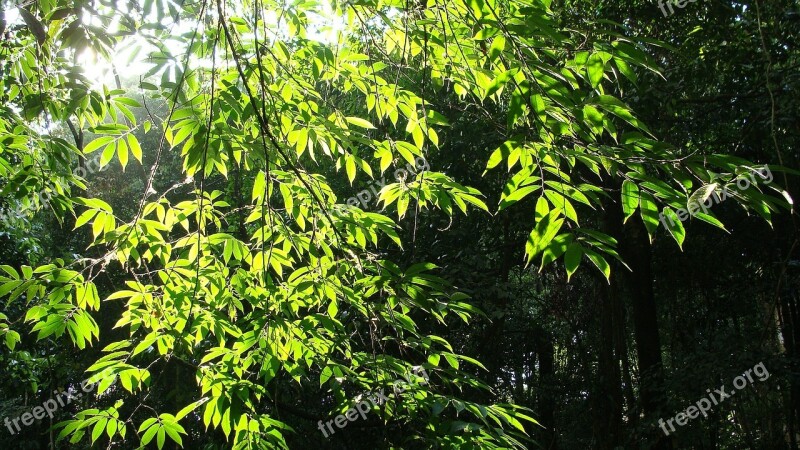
{"x": 271, "y": 292}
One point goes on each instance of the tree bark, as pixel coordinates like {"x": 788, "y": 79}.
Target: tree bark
{"x": 788, "y": 314}
{"x": 545, "y": 405}
{"x": 607, "y": 398}
{"x": 637, "y": 252}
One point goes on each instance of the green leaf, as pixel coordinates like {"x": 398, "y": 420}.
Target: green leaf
{"x": 12, "y": 337}
{"x": 99, "y": 428}
{"x": 452, "y": 360}
{"x": 572, "y": 258}
{"x": 544, "y": 231}
{"x": 84, "y": 218}
{"x": 501, "y": 153}
{"x": 516, "y": 196}
{"x": 359, "y": 122}
{"x": 97, "y": 143}
{"x": 418, "y": 136}
{"x": 407, "y": 151}
{"x": 434, "y": 118}
{"x": 333, "y": 309}
{"x": 136, "y": 149}
{"x": 626, "y": 70}
{"x": 122, "y": 151}
{"x": 385, "y": 156}
{"x": 161, "y": 437}
{"x": 111, "y": 428}
{"x": 630, "y": 199}
{"x": 542, "y": 208}
{"x": 325, "y": 375}
{"x": 595, "y": 66}
{"x": 189, "y": 408}
{"x": 498, "y": 45}
{"x": 172, "y": 432}
{"x": 475, "y": 201}
{"x": 708, "y": 218}
{"x": 674, "y": 226}
{"x": 649, "y": 212}
{"x": 599, "y": 262}
{"x": 402, "y": 205}
{"x": 350, "y": 166}
{"x": 108, "y": 154}
{"x": 559, "y": 201}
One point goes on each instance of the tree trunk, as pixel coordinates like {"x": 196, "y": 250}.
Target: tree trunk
{"x": 788, "y": 314}
{"x": 637, "y": 252}
{"x": 545, "y": 405}
{"x": 607, "y": 398}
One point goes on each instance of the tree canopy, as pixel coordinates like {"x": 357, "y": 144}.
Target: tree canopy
{"x": 231, "y": 222}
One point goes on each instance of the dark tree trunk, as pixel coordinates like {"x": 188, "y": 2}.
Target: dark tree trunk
{"x": 789, "y": 331}
{"x": 621, "y": 349}
{"x": 545, "y": 405}
{"x": 607, "y": 398}
{"x": 637, "y": 252}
